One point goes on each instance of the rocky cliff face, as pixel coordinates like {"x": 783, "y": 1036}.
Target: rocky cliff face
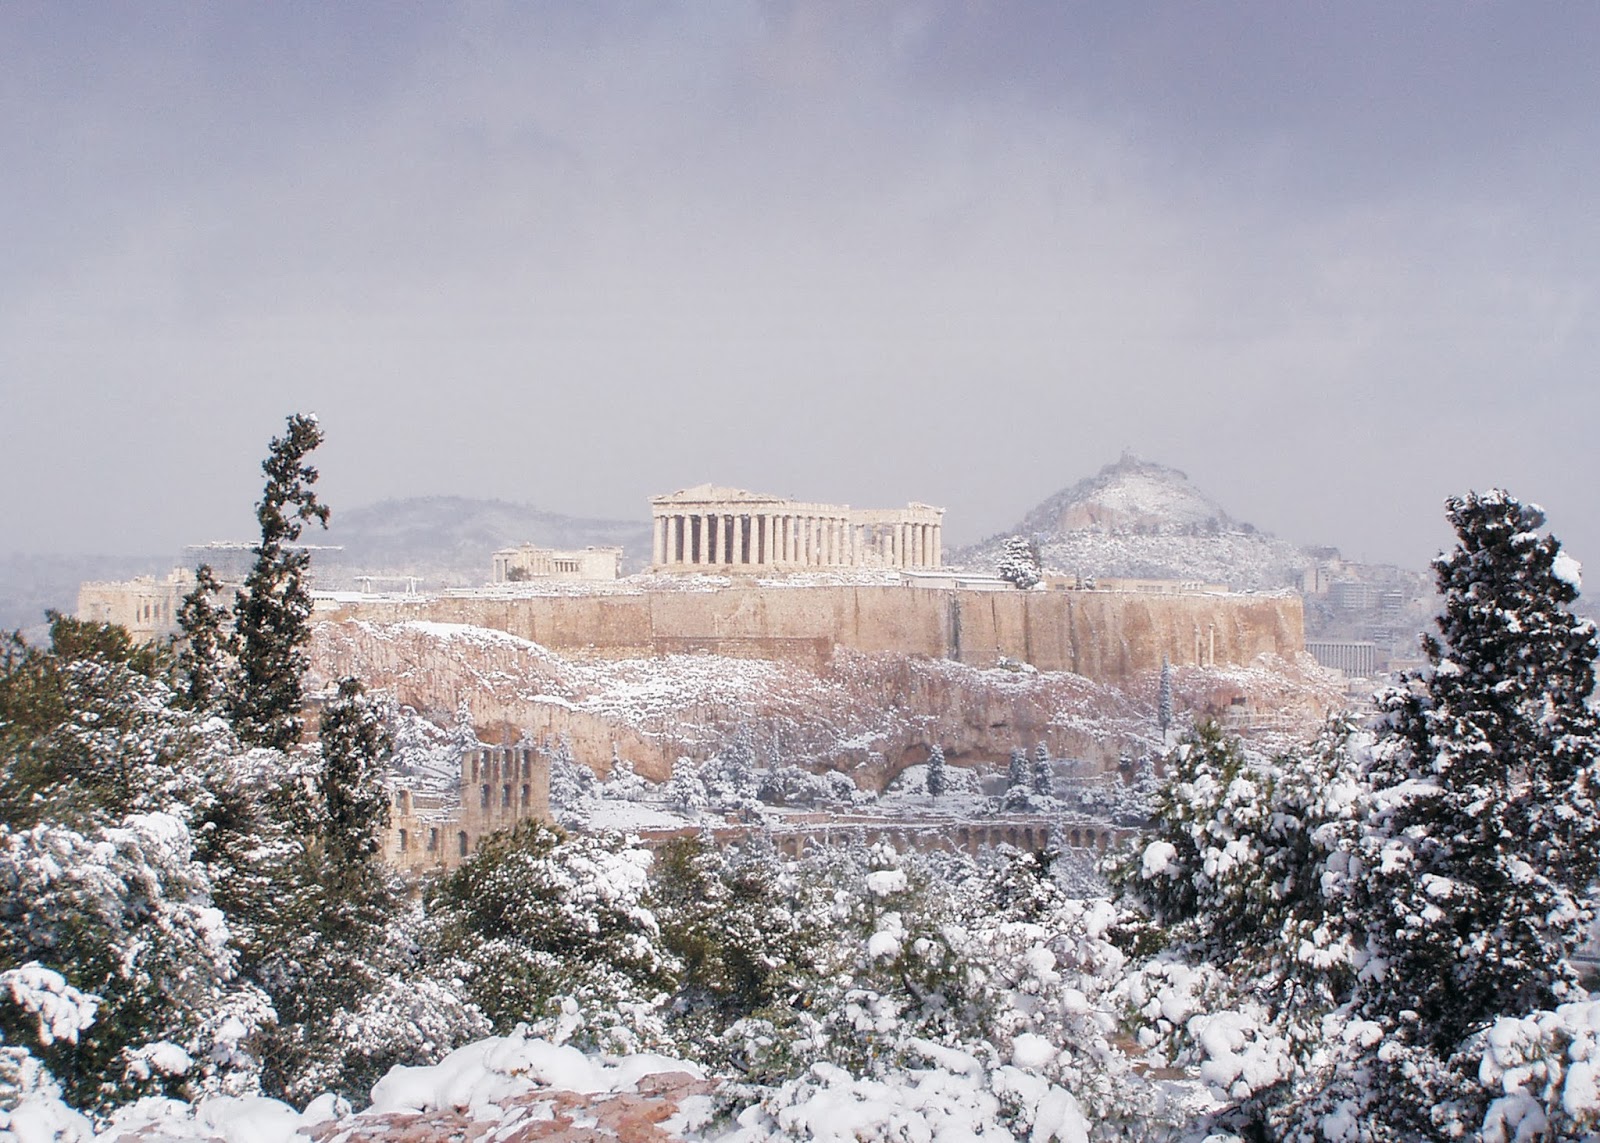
{"x": 867, "y": 715}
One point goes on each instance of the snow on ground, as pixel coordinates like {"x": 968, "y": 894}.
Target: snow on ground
{"x": 513, "y": 1088}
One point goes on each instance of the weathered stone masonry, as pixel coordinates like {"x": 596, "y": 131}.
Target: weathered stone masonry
{"x": 1107, "y": 636}
{"x": 707, "y": 527}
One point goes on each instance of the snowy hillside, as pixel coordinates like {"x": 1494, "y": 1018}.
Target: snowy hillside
{"x": 1138, "y": 519}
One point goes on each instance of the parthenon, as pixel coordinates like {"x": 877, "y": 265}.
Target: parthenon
{"x": 731, "y": 529}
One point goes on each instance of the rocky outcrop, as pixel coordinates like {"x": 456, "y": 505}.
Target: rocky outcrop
{"x": 866, "y": 715}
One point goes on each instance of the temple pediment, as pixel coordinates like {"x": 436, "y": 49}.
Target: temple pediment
{"x": 715, "y": 494}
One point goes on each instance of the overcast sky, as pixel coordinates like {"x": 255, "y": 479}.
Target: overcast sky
{"x": 1335, "y": 261}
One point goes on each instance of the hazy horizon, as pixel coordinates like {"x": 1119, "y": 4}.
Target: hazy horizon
{"x": 1334, "y": 264}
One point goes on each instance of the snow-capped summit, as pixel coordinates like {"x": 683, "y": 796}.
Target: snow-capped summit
{"x": 1132, "y": 495}
{"x": 1139, "y": 519}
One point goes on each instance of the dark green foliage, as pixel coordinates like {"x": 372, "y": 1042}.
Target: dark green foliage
{"x": 1490, "y": 834}
{"x": 718, "y": 922}
{"x": 271, "y": 613}
{"x": 937, "y": 779}
{"x": 1234, "y": 871}
{"x": 537, "y": 915}
{"x": 87, "y": 734}
{"x": 1044, "y": 781}
{"x": 355, "y": 746}
{"x": 204, "y": 643}
{"x": 1164, "y": 697}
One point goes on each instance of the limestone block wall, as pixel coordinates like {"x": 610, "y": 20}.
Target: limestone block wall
{"x": 1106, "y": 636}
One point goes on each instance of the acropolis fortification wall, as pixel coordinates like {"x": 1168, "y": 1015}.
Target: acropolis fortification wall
{"x": 1103, "y": 635}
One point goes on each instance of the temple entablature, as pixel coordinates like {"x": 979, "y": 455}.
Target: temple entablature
{"x": 729, "y": 529}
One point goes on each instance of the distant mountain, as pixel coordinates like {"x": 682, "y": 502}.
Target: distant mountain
{"x": 451, "y": 538}
{"x": 1143, "y": 520}
{"x": 1131, "y": 495}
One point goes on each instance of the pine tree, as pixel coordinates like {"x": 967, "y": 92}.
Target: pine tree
{"x": 937, "y": 779}
{"x": 1019, "y": 562}
{"x": 1043, "y": 777}
{"x": 1481, "y": 870}
{"x": 204, "y": 641}
{"x": 272, "y": 611}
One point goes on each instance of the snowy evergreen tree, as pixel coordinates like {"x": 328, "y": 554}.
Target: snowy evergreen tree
{"x": 1486, "y": 834}
{"x": 685, "y": 790}
{"x": 570, "y": 780}
{"x": 1018, "y": 786}
{"x": 937, "y": 779}
{"x": 1044, "y": 780}
{"x": 1164, "y": 697}
{"x": 120, "y": 918}
{"x": 204, "y": 641}
{"x": 554, "y": 931}
{"x": 1019, "y": 562}
{"x": 272, "y": 611}
{"x": 355, "y": 746}
{"x": 1017, "y": 770}
{"x": 730, "y": 776}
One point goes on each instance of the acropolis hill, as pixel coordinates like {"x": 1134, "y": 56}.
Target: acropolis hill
{"x": 741, "y": 574}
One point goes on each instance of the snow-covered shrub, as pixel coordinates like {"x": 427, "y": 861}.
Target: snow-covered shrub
{"x": 125, "y": 984}
{"x": 791, "y": 785}
{"x": 552, "y": 930}
{"x": 1239, "y": 867}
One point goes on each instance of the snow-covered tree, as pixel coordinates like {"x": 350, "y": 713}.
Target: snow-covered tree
{"x": 1486, "y": 833}
{"x": 205, "y": 634}
{"x": 684, "y": 789}
{"x": 355, "y": 745}
{"x": 272, "y": 611}
{"x": 553, "y": 930}
{"x": 730, "y": 776}
{"x": 1018, "y": 785}
{"x": 937, "y": 779}
{"x": 1019, "y": 562}
{"x": 1164, "y": 697}
{"x": 131, "y": 989}
{"x": 1043, "y": 779}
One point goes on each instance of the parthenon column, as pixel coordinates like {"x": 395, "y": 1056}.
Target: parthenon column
{"x": 938, "y": 545}
{"x": 658, "y": 545}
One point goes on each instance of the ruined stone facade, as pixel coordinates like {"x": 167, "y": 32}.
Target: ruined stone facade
{"x": 528, "y": 563}
{"x": 707, "y": 528}
{"x": 500, "y": 786}
{"x": 146, "y": 606}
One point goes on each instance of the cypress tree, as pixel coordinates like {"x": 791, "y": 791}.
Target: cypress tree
{"x": 203, "y": 643}
{"x": 1043, "y": 778}
{"x": 355, "y": 745}
{"x": 937, "y": 779}
{"x": 1164, "y": 697}
{"x": 272, "y": 611}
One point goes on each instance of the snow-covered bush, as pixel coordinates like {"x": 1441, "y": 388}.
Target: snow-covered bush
{"x": 126, "y": 981}
{"x": 553, "y": 931}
